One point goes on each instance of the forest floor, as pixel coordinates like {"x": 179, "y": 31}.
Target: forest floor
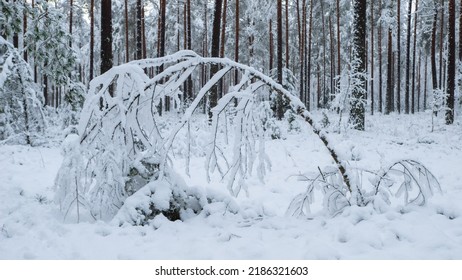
{"x": 31, "y": 226}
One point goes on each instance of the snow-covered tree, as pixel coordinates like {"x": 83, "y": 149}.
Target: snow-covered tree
{"x": 21, "y": 116}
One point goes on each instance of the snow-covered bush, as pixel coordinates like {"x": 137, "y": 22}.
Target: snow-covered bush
{"x": 402, "y": 183}
{"x": 21, "y": 116}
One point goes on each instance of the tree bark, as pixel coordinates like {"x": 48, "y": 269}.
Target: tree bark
{"x": 223, "y": 29}
{"x": 372, "y": 57}
{"x": 433, "y": 52}
{"x": 279, "y": 109}
{"x": 398, "y": 62}
{"x": 338, "y": 38}
{"x": 287, "y": 34}
{"x": 71, "y": 16}
{"x": 215, "y": 52}
{"x": 451, "y": 62}
{"x": 414, "y": 59}
{"x": 139, "y": 40}
{"x": 271, "y": 43}
{"x": 92, "y": 39}
{"x": 441, "y": 45}
{"x": 357, "y": 118}
{"x": 408, "y": 58}
{"x": 106, "y": 35}
{"x": 236, "y": 43}
{"x": 389, "y": 99}
{"x": 308, "y": 60}
{"x": 380, "y": 105}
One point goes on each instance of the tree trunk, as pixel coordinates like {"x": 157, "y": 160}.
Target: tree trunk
{"x": 460, "y": 31}
{"x": 451, "y": 62}
{"x": 380, "y": 105}
{"x": 323, "y": 90}
{"x": 433, "y": 52}
{"x": 425, "y": 85}
{"x": 408, "y": 58}
{"x": 279, "y": 109}
{"x": 359, "y": 41}
{"x": 143, "y": 33}
{"x": 215, "y": 52}
{"x": 92, "y": 39}
{"x": 188, "y": 46}
{"x": 332, "y": 62}
{"x": 308, "y": 60}
{"x": 71, "y": 15}
{"x": 398, "y": 62}
{"x": 139, "y": 43}
{"x": 161, "y": 48}
{"x": 419, "y": 82}
{"x": 302, "y": 52}
{"x": 441, "y": 45}
{"x": 271, "y": 43}
{"x": 389, "y": 99}
{"x": 287, "y": 34}
{"x": 236, "y": 43}
{"x": 223, "y": 30}
{"x": 338, "y": 38}
{"x": 372, "y": 56}
{"x": 106, "y": 35}
{"x": 221, "y": 84}
{"x": 127, "y": 58}
{"x": 414, "y": 59}
{"x": 24, "y": 31}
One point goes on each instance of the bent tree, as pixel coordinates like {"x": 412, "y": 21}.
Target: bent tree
{"x": 124, "y": 150}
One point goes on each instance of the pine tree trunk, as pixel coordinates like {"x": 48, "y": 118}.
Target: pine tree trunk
{"x": 127, "y": 57}
{"x": 71, "y": 15}
{"x": 460, "y": 31}
{"x": 414, "y": 59}
{"x": 398, "y": 62}
{"x": 92, "y": 39}
{"x": 279, "y": 109}
{"x": 223, "y": 29}
{"x": 143, "y": 33}
{"x": 419, "y": 82}
{"x": 106, "y": 35}
{"x": 287, "y": 34}
{"x": 323, "y": 91}
{"x": 357, "y": 118}
{"x": 24, "y": 31}
{"x": 308, "y": 59}
{"x": 425, "y": 85}
{"x": 338, "y": 38}
{"x": 236, "y": 43}
{"x": 372, "y": 57}
{"x": 380, "y": 105}
{"x": 188, "y": 40}
{"x": 215, "y": 52}
{"x": 332, "y": 62}
{"x": 271, "y": 43}
{"x": 408, "y": 59}
{"x": 389, "y": 99}
{"x": 302, "y": 52}
{"x": 139, "y": 43}
{"x": 433, "y": 52}
{"x": 441, "y": 45}
{"x": 451, "y": 62}
{"x": 221, "y": 84}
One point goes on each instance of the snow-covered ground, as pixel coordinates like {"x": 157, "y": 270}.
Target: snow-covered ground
{"x": 31, "y": 226}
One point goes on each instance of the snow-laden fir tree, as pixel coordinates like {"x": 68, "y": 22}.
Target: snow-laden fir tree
{"x": 21, "y": 116}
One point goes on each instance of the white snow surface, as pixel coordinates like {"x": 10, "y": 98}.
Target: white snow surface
{"x": 32, "y": 227}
